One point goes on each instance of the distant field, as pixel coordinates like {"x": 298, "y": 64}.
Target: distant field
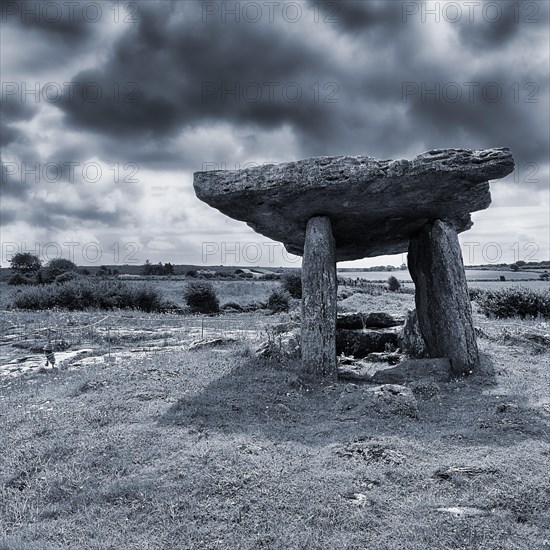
{"x": 471, "y": 275}
{"x": 241, "y": 292}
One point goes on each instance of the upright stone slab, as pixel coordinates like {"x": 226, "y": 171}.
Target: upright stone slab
{"x": 442, "y": 300}
{"x": 319, "y": 289}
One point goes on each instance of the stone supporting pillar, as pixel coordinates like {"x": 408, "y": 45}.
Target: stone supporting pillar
{"x": 319, "y": 287}
{"x": 442, "y": 300}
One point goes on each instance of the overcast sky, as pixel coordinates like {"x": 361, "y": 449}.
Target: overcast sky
{"x": 109, "y": 107}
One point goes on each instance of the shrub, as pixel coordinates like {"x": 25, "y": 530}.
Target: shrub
{"x": 58, "y": 266}
{"x": 81, "y": 294}
{"x": 278, "y": 301}
{"x": 19, "y": 279}
{"x": 515, "y": 302}
{"x": 475, "y": 294}
{"x": 201, "y": 298}
{"x": 393, "y": 284}
{"x": 291, "y": 281}
{"x": 270, "y": 276}
{"x": 67, "y": 276}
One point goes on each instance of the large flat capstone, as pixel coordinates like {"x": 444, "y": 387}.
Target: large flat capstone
{"x": 374, "y": 206}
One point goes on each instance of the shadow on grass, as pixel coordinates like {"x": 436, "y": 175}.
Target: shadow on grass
{"x": 261, "y": 399}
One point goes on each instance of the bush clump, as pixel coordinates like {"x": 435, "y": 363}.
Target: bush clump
{"x": 78, "y": 294}
{"x": 19, "y": 279}
{"x": 201, "y": 298}
{"x": 58, "y": 266}
{"x": 393, "y": 284}
{"x": 65, "y": 277}
{"x": 278, "y": 301}
{"x": 514, "y": 302}
{"x": 291, "y": 281}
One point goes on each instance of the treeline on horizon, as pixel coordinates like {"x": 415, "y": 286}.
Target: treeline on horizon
{"x": 168, "y": 268}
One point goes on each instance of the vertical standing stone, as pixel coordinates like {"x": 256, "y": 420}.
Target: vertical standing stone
{"x": 319, "y": 287}
{"x": 442, "y": 300}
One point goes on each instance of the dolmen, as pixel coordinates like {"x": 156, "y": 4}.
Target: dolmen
{"x": 330, "y": 209}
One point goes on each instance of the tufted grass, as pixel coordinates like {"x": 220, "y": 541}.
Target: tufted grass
{"x": 217, "y": 450}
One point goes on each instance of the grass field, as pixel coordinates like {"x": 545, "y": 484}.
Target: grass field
{"x": 216, "y": 449}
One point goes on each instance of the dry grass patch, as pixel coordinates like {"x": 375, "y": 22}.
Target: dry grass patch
{"x": 216, "y": 450}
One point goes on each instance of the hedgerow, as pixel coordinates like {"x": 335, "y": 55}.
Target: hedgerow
{"x": 514, "y": 302}
{"x": 78, "y": 294}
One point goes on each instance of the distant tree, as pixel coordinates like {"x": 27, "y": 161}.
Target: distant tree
{"x": 147, "y": 268}
{"x": 514, "y": 267}
{"x": 57, "y": 266}
{"x": 393, "y": 284}
{"x": 169, "y": 269}
{"x": 291, "y": 281}
{"x": 403, "y": 266}
{"x": 520, "y": 263}
{"x": 25, "y": 262}
{"x": 544, "y": 276}
{"x": 192, "y": 273}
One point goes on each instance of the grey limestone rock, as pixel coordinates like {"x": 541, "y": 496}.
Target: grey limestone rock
{"x": 374, "y": 206}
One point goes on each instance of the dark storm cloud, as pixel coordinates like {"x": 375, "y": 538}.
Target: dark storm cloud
{"x": 497, "y": 23}
{"x": 13, "y": 110}
{"x": 168, "y": 73}
{"x": 9, "y": 184}
{"x": 179, "y": 76}
{"x": 353, "y": 16}
{"x": 10, "y": 134}
{"x": 7, "y": 217}
{"x": 479, "y": 119}
{"x": 60, "y": 21}
{"x": 60, "y": 216}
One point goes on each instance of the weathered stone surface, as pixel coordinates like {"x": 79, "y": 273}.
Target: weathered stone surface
{"x": 374, "y": 206}
{"x": 410, "y": 337}
{"x": 352, "y": 321}
{"x": 442, "y": 301}
{"x": 319, "y": 302}
{"x": 355, "y": 370}
{"x": 362, "y": 370}
{"x": 360, "y": 343}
